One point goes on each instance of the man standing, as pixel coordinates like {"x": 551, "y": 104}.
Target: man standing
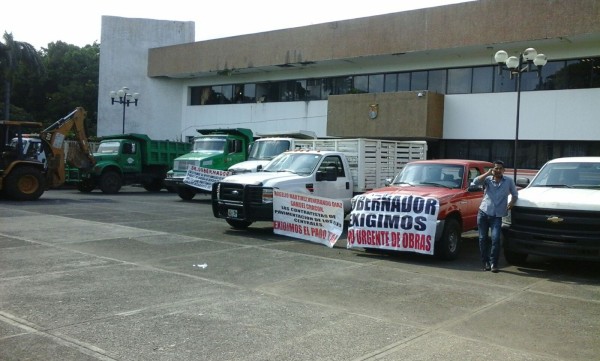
{"x": 494, "y": 206}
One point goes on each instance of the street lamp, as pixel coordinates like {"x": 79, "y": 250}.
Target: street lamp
{"x": 516, "y": 66}
{"x": 125, "y": 98}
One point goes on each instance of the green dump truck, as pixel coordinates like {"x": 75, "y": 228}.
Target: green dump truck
{"x": 216, "y": 149}
{"x": 126, "y": 159}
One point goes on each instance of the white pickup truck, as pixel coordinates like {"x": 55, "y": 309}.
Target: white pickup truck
{"x": 557, "y": 214}
{"x": 351, "y": 167}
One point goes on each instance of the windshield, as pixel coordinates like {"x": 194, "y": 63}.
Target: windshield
{"x": 569, "y": 175}
{"x": 299, "y": 163}
{"x": 209, "y": 145}
{"x": 436, "y": 175}
{"x": 108, "y": 148}
{"x": 268, "y": 149}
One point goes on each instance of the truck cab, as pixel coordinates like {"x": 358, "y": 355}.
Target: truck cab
{"x": 267, "y": 147}
{"x": 32, "y": 147}
{"x": 216, "y": 149}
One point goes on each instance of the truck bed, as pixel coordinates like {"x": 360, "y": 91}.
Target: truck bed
{"x": 371, "y": 161}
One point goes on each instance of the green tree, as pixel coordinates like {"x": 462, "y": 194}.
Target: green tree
{"x": 70, "y": 81}
{"x": 15, "y": 55}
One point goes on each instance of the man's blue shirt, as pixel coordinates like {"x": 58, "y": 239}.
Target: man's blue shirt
{"x": 495, "y": 198}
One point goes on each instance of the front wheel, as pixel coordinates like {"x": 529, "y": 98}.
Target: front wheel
{"x": 154, "y": 185}
{"x": 449, "y": 245}
{"x": 110, "y": 182}
{"x": 86, "y": 186}
{"x": 185, "y": 193}
{"x": 24, "y": 184}
{"x": 237, "y": 224}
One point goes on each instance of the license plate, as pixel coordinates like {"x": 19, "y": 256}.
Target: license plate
{"x": 232, "y": 213}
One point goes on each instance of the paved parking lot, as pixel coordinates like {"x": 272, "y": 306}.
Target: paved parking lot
{"x": 142, "y": 276}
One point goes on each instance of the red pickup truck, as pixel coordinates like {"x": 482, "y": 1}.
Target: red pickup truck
{"x": 436, "y": 191}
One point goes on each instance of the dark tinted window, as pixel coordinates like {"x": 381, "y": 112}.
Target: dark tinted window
{"x": 418, "y": 80}
{"x": 483, "y": 79}
{"x": 391, "y": 82}
{"x": 459, "y": 81}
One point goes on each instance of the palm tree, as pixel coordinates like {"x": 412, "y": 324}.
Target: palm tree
{"x": 12, "y": 55}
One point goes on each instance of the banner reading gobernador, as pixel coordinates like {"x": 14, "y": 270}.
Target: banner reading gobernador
{"x": 203, "y": 178}
{"x": 394, "y": 222}
{"x": 314, "y": 219}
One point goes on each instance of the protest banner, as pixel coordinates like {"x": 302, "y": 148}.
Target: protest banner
{"x": 394, "y": 222}
{"x": 203, "y": 178}
{"x": 302, "y": 216}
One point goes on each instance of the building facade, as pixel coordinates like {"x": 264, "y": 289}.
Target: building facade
{"x": 425, "y": 74}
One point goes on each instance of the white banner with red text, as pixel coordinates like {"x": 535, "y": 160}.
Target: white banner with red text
{"x": 204, "y": 178}
{"x": 302, "y": 216}
{"x": 394, "y": 222}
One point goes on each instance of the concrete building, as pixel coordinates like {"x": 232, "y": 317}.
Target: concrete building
{"x": 427, "y": 74}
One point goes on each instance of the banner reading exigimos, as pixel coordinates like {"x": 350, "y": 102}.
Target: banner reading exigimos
{"x": 394, "y": 222}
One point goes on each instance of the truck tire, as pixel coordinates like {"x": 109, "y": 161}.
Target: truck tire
{"x": 86, "y": 186}
{"x": 185, "y": 193}
{"x": 24, "y": 184}
{"x": 515, "y": 258}
{"x": 110, "y": 182}
{"x": 449, "y": 245}
{"x": 154, "y": 185}
{"x": 237, "y": 224}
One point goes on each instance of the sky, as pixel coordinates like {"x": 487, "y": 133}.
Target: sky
{"x": 40, "y": 22}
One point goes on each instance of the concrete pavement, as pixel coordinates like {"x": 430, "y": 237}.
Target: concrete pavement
{"x": 97, "y": 277}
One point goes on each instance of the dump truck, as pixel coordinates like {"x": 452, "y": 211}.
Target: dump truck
{"x": 216, "y": 149}
{"x": 127, "y": 159}
{"x": 30, "y": 164}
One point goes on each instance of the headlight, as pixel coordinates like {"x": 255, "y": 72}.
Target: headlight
{"x": 267, "y": 195}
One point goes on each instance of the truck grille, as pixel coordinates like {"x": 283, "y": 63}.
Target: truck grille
{"x": 233, "y": 192}
{"x": 182, "y": 165}
{"x": 570, "y": 223}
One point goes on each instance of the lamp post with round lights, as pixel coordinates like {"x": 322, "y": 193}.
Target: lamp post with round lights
{"x": 517, "y": 65}
{"x": 125, "y": 98}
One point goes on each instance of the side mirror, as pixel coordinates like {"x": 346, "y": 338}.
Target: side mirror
{"x": 259, "y": 168}
{"x": 388, "y": 181}
{"x": 475, "y": 188}
{"x": 522, "y": 182}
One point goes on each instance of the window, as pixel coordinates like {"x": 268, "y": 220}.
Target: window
{"x": 418, "y": 80}
{"x": 473, "y": 173}
{"x": 333, "y": 161}
{"x": 250, "y": 93}
{"x": 558, "y": 74}
{"x": 483, "y": 79}
{"x": 503, "y": 82}
{"x": 376, "y": 83}
{"x": 459, "y": 80}
{"x": 336, "y": 86}
{"x": 437, "y": 81}
{"x": 403, "y": 82}
{"x": 267, "y": 92}
{"x": 314, "y": 89}
{"x": 550, "y": 72}
{"x": 391, "y": 82}
{"x": 361, "y": 84}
